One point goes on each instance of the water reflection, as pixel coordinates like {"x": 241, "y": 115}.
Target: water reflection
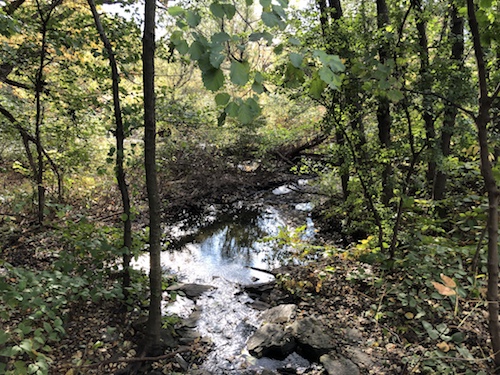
{"x": 219, "y": 251}
{"x": 225, "y": 248}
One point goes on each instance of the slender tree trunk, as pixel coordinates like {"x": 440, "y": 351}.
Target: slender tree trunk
{"x": 427, "y": 101}
{"x": 154, "y": 320}
{"x": 482, "y": 120}
{"x": 383, "y": 109}
{"x": 39, "y": 83}
{"x": 120, "y": 149}
{"x": 26, "y": 137}
{"x": 450, "y": 113}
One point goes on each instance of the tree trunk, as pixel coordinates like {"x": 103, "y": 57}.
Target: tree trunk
{"x": 450, "y": 113}
{"x": 120, "y": 150}
{"x": 148, "y": 54}
{"x": 482, "y": 120}
{"x": 383, "y": 109}
{"x": 39, "y": 83}
{"x": 427, "y": 101}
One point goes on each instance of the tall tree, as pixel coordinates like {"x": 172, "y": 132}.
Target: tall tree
{"x": 451, "y": 111}
{"x": 45, "y": 14}
{"x": 426, "y": 81}
{"x": 383, "y": 109}
{"x": 482, "y": 120}
{"x": 148, "y": 55}
{"x": 120, "y": 150}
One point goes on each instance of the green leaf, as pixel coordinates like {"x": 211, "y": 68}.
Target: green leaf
{"x": 232, "y": 109}
{"x": 329, "y": 77}
{"x": 296, "y": 59}
{"x": 265, "y": 3}
{"x": 220, "y": 37}
{"x": 8, "y": 25}
{"x": 485, "y": 4}
{"x": 175, "y": 10}
{"x": 182, "y": 47}
{"x": 26, "y": 345}
{"x": 20, "y": 367}
{"x": 270, "y": 19}
{"x": 229, "y": 10}
{"x": 24, "y": 328}
{"x": 124, "y": 217}
{"x": 217, "y": 10}
{"x": 216, "y": 58}
{"x": 4, "y": 337}
{"x": 458, "y": 337}
{"x": 239, "y": 72}
{"x": 317, "y": 87}
{"x": 395, "y": 95}
{"x": 249, "y": 2}
{"x": 213, "y": 79}
{"x": 222, "y": 98}
{"x": 258, "y": 77}
{"x": 294, "y": 41}
{"x": 279, "y": 11}
{"x": 222, "y": 118}
{"x": 278, "y": 49}
{"x": 196, "y": 50}
{"x": 257, "y": 87}
{"x": 193, "y": 18}
{"x": 263, "y": 35}
{"x": 248, "y": 111}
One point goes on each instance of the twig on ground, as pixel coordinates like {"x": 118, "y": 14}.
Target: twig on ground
{"x": 126, "y": 360}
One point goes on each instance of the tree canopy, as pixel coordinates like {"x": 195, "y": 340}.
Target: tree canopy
{"x": 111, "y": 125}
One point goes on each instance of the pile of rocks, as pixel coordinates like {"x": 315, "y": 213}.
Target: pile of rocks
{"x": 283, "y": 332}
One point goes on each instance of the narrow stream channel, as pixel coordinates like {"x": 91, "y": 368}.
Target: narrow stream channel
{"x": 220, "y": 254}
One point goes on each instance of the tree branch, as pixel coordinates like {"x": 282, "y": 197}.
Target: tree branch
{"x": 126, "y": 360}
{"x": 450, "y": 102}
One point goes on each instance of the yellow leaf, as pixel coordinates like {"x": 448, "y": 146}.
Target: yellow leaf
{"x": 318, "y": 286}
{"x": 70, "y": 372}
{"x": 409, "y": 315}
{"x": 443, "y": 290}
{"x": 443, "y": 346}
{"x": 448, "y": 281}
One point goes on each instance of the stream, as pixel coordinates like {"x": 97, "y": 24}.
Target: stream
{"x": 223, "y": 250}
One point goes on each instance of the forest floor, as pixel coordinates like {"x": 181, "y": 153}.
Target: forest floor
{"x": 102, "y": 337}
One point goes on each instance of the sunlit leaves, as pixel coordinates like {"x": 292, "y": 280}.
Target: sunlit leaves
{"x": 296, "y": 59}
{"x": 196, "y": 50}
{"x": 213, "y": 79}
{"x": 316, "y": 87}
{"x": 216, "y": 56}
{"x": 193, "y": 19}
{"x": 222, "y": 98}
{"x": 449, "y": 287}
{"x": 443, "y": 290}
{"x": 221, "y": 10}
{"x": 239, "y": 72}
{"x": 8, "y": 25}
{"x": 175, "y": 10}
{"x": 248, "y": 111}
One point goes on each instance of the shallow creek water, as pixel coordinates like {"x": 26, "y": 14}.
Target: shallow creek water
{"x": 220, "y": 253}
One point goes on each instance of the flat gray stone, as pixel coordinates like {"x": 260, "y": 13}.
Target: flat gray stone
{"x": 279, "y": 314}
{"x": 191, "y": 291}
{"x": 359, "y": 357}
{"x": 338, "y": 365}
{"x": 271, "y": 341}
{"x": 313, "y": 338}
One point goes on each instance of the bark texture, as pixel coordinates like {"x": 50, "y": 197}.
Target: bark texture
{"x": 120, "y": 150}
{"x": 482, "y": 120}
{"x": 148, "y": 54}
